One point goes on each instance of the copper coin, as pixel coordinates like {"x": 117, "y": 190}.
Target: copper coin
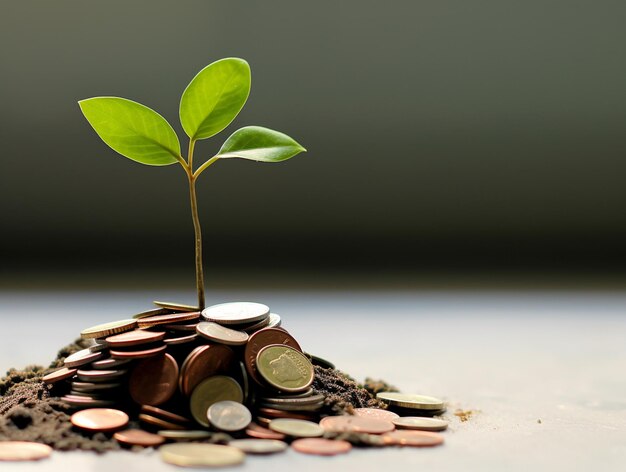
{"x": 23, "y": 451}
{"x": 168, "y": 415}
{"x": 142, "y": 354}
{"x": 182, "y": 327}
{"x": 159, "y": 423}
{"x": 100, "y": 375}
{"x": 82, "y": 357}
{"x": 413, "y": 438}
{"x": 153, "y": 381}
{"x": 86, "y": 402}
{"x": 151, "y": 321}
{"x": 205, "y": 361}
{"x": 258, "y": 341}
{"x": 256, "y": 431}
{"x": 273, "y": 413}
{"x": 376, "y": 413}
{"x": 134, "y": 338}
{"x": 94, "y": 387}
{"x": 356, "y": 424}
{"x": 221, "y": 334}
{"x": 138, "y": 437}
{"x": 100, "y": 419}
{"x": 181, "y": 340}
{"x": 109, "y": 364}
{"x": 59, "y": 374}
{"x": 321, "y": 447}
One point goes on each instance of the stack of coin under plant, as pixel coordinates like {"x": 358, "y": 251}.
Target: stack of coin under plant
{"x": 191, "y": 376}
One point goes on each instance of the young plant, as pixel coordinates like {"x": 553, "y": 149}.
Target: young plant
{"x": 209, "y": 104}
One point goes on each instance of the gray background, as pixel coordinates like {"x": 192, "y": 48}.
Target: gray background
{"x": 440, "y": 134}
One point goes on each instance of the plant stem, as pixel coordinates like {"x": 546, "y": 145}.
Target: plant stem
{"x": 196, "y": 226}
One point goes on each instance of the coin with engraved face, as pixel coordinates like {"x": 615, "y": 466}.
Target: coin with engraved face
{"x": 284, "y": 368}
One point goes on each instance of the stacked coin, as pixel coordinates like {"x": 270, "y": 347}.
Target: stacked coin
{"x": 229, "y": 369}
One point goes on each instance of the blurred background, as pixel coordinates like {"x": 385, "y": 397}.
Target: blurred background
{"x": 449, "y": 142}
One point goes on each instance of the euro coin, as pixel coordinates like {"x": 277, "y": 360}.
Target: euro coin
{"x": 411, "y": 401}
{"x": 284, "y": 368}
{"x": 296, "y": 428}
{"x": 236, "y": 312}
{"x": 210, "y": 391}
{"x": 420, "y": 423}
{"x": 229, "y": 416}
{"x": 201, "y": 455}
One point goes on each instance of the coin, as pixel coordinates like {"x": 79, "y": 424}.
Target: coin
{"x": 107, "y": 329}
{"x": 99, "y": 375}
{"x": 403, "y": 400}
{"x": 98, "y": 345}
{"x": 59, "y": 374}
{"x": 168, "y": 415}
{"x": 376, "y": 413}
{"x": 201, "y": 455}
{"x": 259, "y": 340}
{"x": 134, "y": 338}
{"x": 138, "y": 437}
{"x": 100, "y": 419}
{"x": 356, "y": 424}
{"x": 210, "y": 391}
{"x": 252, "y": 327}
{"x": 151, "y": 312}
{"x": 205, "y": 361}
{"x": 220, "y": 334}
{"x": 82, "y": 357}
{"x": 86, "y": 402}
{"x": 420, "y": 423}
{"x": 236, "y": 312}
{"x": 296, "y": 428}
{"x": 229, "y": 416}
{"x": 181, "y": 340}
{"x": 23, "y": 451}
{"x": 108, "y": 364}
{"x": 256, "y": 431}
{"x": 259, "y": 446}
{"x": 158, "y": 320}
{"x": 284, "y": 368}
{"x": 159, "y": 422}
{"x": 89, "y": 387}
{"x": 153, "y": 381}
{"x": 176, "y": 306}
{"x": 311, "y": 398}
{"x": 141, "y": 354}
{"x": 275, "y": 321}
{"x": 186, "y": 435}
{"x": 273, "y": 413}
{"x": 321, "y": 447}
{"x": 182, "y": 326}
{"x": 413, "y": 438}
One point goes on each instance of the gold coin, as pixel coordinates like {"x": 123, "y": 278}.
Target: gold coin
{"x": 296, "y": 428}
{"x": 259, "y": 446}
{"x": 186, "y": 435}
{"x": 284, "y": 368}
{"x": 108, "y": 329}
{"x": 23, "y": 451}
{"x": 420, "y": 423}
{"x": 212, "y": 390}
{"x": 201, "y": 455}
{"x": 176, "y": 306}
{"x": 418, "y": 402}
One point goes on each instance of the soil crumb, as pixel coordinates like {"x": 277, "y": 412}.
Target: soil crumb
{"x": 342, "y": 393}
{"x": 464, "y": 415}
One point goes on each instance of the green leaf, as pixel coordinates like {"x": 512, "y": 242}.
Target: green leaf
{"x": 259, "y": 144}
{"x": 132, "y": 129}
{"x": 215, "y": 97}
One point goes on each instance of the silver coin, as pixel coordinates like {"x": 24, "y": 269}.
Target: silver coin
{"x": 411, "y": 401}
{"x": 221, "y": 334}
{"x": 275, "y": 321}
{"x": 79, "y": 358}
{"x": 236, "y": 312}
{"x": 229, "y": 416}
{"x": 420, "y": 423}
{"x": 259, "y": 446}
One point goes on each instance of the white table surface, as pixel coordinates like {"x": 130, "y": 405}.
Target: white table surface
{"x": 514, "y": 357}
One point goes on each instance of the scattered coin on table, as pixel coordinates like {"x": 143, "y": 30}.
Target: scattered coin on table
{"x": 23, "y": 451}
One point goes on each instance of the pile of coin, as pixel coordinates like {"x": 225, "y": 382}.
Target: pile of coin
{"x": 188, "y": 375}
